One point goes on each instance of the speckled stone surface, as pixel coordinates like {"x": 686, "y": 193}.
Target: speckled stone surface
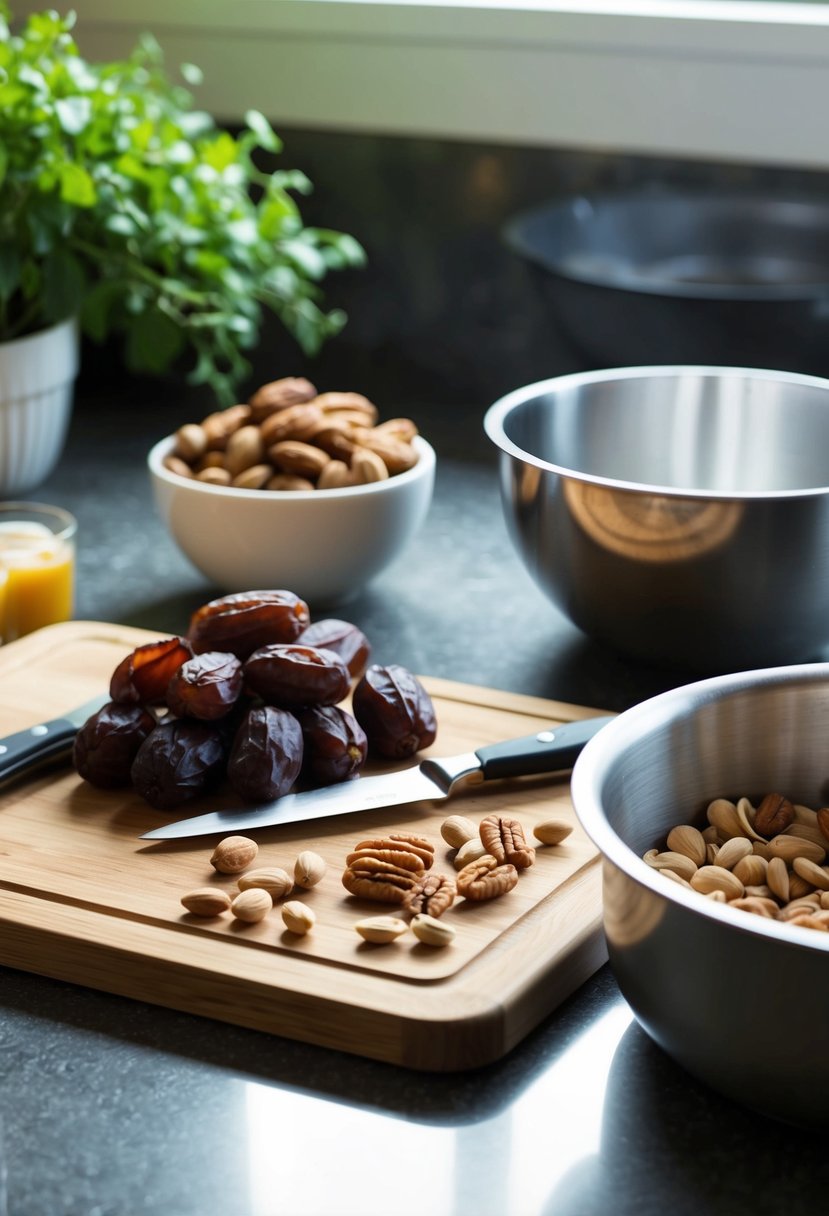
{"x": 116, "y": 1108}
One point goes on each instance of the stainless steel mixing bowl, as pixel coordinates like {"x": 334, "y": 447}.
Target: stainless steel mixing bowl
{"x": 738, "y": 1000}
{"x": 678, "y": 514}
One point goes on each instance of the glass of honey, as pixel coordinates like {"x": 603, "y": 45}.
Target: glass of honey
{"x": 37, "y": 567}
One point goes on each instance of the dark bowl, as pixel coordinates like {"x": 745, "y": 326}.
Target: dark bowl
{"x": 655, "y": 276}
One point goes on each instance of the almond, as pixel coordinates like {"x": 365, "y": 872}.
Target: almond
{"x": 308, "y": 869}
{"x": 456, "y": 830}
{"x": 367, "y": 466}
{"x": 430, "y": 931}
{"x": 275, "y": 881}
{"x": 244, "y": 448}
{"x": 251, "y": 905}
{"x": 191, "y": 442}
{"x": 688, "y": 840}
{"x": 298, "y": 917}
{"x": 233, "y": 854}
{"x": 206, "y": 901}
{"x": 301, "y": 459}
{"x": 552, "y": 831}
{"x": 381, "y": 929}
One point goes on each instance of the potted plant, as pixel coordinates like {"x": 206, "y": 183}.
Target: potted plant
{"x": 125, "y": 210}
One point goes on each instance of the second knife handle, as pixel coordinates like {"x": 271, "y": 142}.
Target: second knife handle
{"x": 548, "y": 751}
{"x": 27, "y": 749}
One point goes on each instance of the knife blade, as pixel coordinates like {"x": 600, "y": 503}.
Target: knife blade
{"x": 547, "y": 751}
{"x": 46, "y": 743}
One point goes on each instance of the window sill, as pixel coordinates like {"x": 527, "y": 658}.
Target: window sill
{"x": 713, "y": 79}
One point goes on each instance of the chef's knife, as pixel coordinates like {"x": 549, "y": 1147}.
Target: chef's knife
{"x": 45, "y": 743}
{"x": 548, "y": 751}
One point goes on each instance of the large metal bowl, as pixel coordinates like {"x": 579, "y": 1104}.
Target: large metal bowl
{"x": 678, "y": 514}
{"x": 736, "y": 999}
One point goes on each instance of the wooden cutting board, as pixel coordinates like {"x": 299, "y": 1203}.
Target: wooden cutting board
{"x": 83, "y": 899}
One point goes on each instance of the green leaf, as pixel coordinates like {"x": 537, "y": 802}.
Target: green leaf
{"x": 99, "y": 310}
{"x": 153, "y": 341}
{"x": 77, "y": 186}
{"x": 192, "y": 74}
{"x": 263, "y": 131}
{"x": 73, "y": 113}
{"x": 63, "y": 284}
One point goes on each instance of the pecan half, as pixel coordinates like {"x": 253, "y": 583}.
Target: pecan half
{"x": 486, "y": 878}
{"x": 432, "y": 895}
{"x": 504, "y": 838}
{"x": 395, "y": 857}
{"x": 774, "y": 814}
{"x": 404, "y": 841}
{"x": 378, "y": 880}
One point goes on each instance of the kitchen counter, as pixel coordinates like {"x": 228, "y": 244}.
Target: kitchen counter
{"x": 111, "y": 1107}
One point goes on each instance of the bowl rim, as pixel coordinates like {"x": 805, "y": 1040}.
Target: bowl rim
{"x": 424, "y": 467}
{"x": 592, "y": 765}
{"x": 495, "y": 418}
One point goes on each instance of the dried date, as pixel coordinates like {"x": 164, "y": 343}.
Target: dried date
{"x": 335, "y": 744}
{"x": 295, "y": 677}
{"x": 395, "y": 711}
{"x": 345, "y": 639}
{"x": 107, "y": 743}
{"x": 206, "y": 686}
{"x": 266, "y": 756}
{"x": 179, "y": 760}
{"x": 241, "y": 623}
{"x": 142, "y": 677}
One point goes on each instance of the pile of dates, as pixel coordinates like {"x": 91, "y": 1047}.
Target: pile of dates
{"x": 251, "y": 695}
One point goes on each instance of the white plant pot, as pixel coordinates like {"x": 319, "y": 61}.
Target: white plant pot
{"x": 37, "y": 375}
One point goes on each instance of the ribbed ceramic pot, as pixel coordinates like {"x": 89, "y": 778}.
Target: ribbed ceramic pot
{"x": 37, "y": 375}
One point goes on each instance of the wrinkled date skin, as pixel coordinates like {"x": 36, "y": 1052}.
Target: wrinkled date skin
{"x": 345, "y": 639}
{"x": 206, "y": 686}
{"x": 295, "y": 677}
{"x": 142, "y": 677}
{"x": 395, "y": 711}
{"x": 179, "y": 760}
{"x": 107, "y": 743}
{"x": 239, "y": 624}
{"x": 266, "y": 756}
{"x": 335, "y": 744}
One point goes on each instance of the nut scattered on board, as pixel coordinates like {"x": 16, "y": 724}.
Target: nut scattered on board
{"x": 288, "y": 437}
{"x": 251, "y": 905}
{"x": 503, "y": 837}
{"x": 430, "y": 931}
{"x": 433, "y": 894}
{"x": 381, "y": 929}
{"x": 275, "y": 881}
{"x": 766, "y": 860}
{"x": 206, "y": 901}
{"x": 552, "y": 831}
{"x": 233, "y": 854}
{"x": 472, "y": 850}
{"x": 298, "y": 917}
{"x": 456, "y": 830}
{"x": 486, "y": 878}
{"x": 309, "y": 869}
{"x": 386, "y": 868}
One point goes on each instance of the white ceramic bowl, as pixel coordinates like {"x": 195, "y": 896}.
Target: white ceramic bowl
{"x": 324, "y": 545}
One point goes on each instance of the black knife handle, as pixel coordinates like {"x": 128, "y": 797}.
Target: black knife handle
{"x": 545, "y": 752}
{"x": 28, "y": 749}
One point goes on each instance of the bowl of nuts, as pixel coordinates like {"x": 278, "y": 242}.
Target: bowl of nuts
{"x": 294, "y": 488}
{"x": 708, "y": 804}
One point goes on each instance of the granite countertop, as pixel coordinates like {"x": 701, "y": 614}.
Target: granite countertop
{"x": 110, "y": 1107}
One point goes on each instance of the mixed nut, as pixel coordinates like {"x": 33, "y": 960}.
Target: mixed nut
{"x": 766, "y": 859}
{"x": 251, "y": 695}
{"x": 392, "y": 869}
{"x": 289, "y": 437}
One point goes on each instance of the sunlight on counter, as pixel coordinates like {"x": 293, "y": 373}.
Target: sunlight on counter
{"x": 318, "y": 1156}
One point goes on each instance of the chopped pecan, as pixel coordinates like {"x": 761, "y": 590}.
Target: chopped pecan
{"x": 432, "y": 895}
{"x": 504, "y": 838}
{"x": 486, "y": 878}
{"x": 774, "y": 814}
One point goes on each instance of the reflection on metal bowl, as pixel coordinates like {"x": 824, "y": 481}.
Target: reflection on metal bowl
{"x": 678, "y": 514}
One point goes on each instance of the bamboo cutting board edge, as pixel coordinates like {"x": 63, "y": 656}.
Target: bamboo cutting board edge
{"x": 466, "y": 1018}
